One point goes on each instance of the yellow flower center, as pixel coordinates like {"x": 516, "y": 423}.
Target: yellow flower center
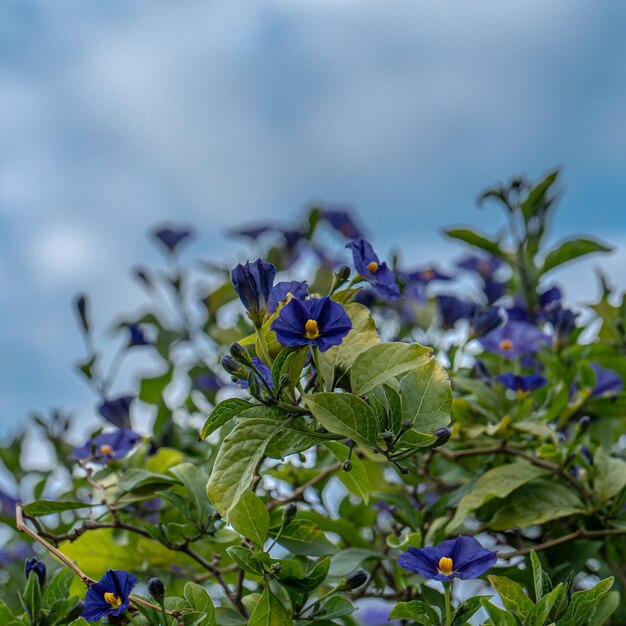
{"x": 445, "y": 566}
{"x": 106, "y": 449}
{"x": 113, "y": 600}
{"x": 506, "y": 344}
{"x": 311, "y": 331}
{"x": 372, "y": 267}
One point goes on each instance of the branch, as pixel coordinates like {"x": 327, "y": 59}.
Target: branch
{"x": 581, "y": 533}
{"x": 21, "y": 527}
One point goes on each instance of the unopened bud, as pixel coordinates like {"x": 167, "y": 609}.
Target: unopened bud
{"x": 347, "y": 466}
{"x": 38, "y": 567}
{"x": 388, "y": 436}
{"x": 355, "y": 580}
{"x": 443, "y": 436}
{"x": 342, "y": 274}
{"x": 81, "y": 308}
{"x": 289, "y": 512}
{"x": 239, "y": 353}
{"x": 231, "y": 366}
{"x": 156, "y": 588}
{"x": 403, "y": 470}
{"x": 407, "y": 425}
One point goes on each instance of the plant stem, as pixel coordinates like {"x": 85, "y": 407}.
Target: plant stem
{"x": 447, "y": 587}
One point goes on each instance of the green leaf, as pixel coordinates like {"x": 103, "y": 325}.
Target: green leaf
{"x": 305, "y": 538}
{"x": 32, "y": 599}
{"x": 138, "y": 480}
{"x": 498, "y": 616}
{"x": 536, "y": 201}
{"x": 536, "y": 503}
{"x": 194, "y": 480}
{"x": 381, "y": 362}
{"x": 539, "y": 614}
{"x": 151, "y": 389}
{"x": 538, "y": 575}
{"x": 478, "y": 241}
{"x": 200, "y": 600}
{"x": 46, "y": 507}
{"x": 5, "y": 614}
{"x": 362, "y": 336}
{"x": 237, "y": 461}
{"x": 301, "y": 575}
{"x": 79, "y": 622}
{"x": 245, "y": 559}
{"x": 512, "y": 594}
{"x": 495, "y": 483}
{"x": 289, "y": 363}
{"x": 223, "y": 413}
{"x": 417, "y": 611}
{"x": 334, "y": 607}
{"x": 465, "y": 610}
{"x": 605, "y": 609}
{"x": 356, "y": 480}
{"x": 387, "y": 404}
{"x": 609, "y": 475}
{"x": 570, "y": 250}
{"x": 583, "y": 603}
{"x": 58, "y": 588}
{"x": 426, "y": 396}
{"x": 270, "y": 611}
{"x": 250, "y": 518}
{"x": 346, "y": 415}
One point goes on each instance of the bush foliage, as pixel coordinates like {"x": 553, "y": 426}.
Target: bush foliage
{"x": 306, "y": 434}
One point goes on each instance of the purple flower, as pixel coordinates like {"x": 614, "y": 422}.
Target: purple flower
{"x": 607, "y": 381}
{"x": 486, "y": 266}
{"x": 462, "y": 557}
{"x": 319, "y": 322}
{"x": 562, "y": 320}
{"x": 368, "y": 265}
{"x": 137, "y": 338}
{"x": 514, "y": 339}
{"x": 453, "y": 309}
{"x": 280, "y": 290}
{"x": 109, "y": 596}
{"x": 342, "y": 222}
{"x": 107, "y": 446}
{"x": 251, "y": 232}
{"x": 171, "y": 237}
{"x": 522, "y": 384}
{"x": 494, "y": 290}
{"x": 38, "y": 567}
{"x": 117, "y": 411}
{"x": 253, "y": 284}
{"x": 264, "y": 370}
{"x": 484, "y": 321}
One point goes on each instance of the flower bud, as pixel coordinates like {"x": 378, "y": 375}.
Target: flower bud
{"x": 407, "y": 425}
{"x": 81, "y": 308}
{"x": 38, "y": 567}
{"x": 239, "y": 353}
{"x": 289, "y": 512}
{"x": 343, "y": 273}
{"x": 347, "y": 466}
{"x": 443, "y": 436}
{"x": 355, "y": 580}
{"x": 231, "y": 366}
{"x": 388, "y": 436}
{"x": 156, "y": 588}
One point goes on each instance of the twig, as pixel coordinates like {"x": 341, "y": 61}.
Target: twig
{"x": 21, "y": 527}
{"x": 581, "y": 533}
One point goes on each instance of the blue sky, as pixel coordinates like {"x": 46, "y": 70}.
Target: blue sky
{"x": 118, "y": 115}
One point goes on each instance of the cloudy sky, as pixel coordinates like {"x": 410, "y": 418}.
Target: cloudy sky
{"x": 115, "y": 115}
